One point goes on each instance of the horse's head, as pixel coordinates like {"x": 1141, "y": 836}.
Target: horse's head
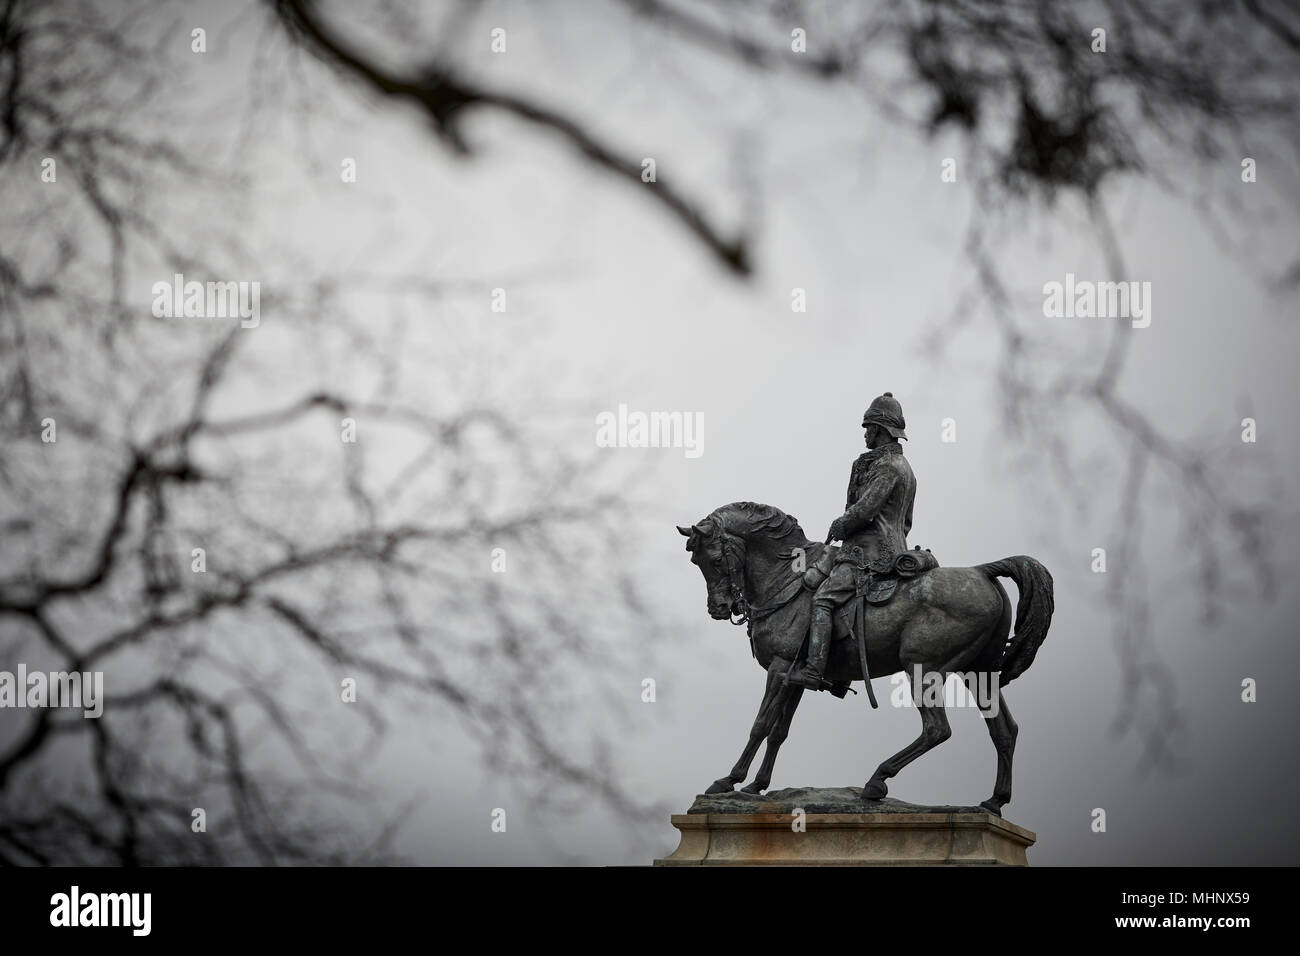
{"x": 739, "y": 542}
{"x": 710, "y": 552}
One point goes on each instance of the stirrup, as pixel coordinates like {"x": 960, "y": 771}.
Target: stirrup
{"x": 796, "y": 679}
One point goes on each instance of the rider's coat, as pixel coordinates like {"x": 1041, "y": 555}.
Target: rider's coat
{"x": 878, "y": 510}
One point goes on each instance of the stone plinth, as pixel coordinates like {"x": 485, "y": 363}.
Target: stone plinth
{"x": 840, "y": 829}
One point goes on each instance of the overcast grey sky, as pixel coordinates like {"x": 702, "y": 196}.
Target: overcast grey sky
{"x": 611, "y": 302}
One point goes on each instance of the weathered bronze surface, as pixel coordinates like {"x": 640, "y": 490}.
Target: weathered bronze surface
{"x": 880, "y": 609}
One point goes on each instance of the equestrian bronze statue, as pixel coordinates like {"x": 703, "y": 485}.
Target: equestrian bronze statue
{"x": 821, "y": 616}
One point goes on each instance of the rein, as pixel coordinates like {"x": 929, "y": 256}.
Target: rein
{"x": 735, "y": 581}
{"x": 748, "y": 614}
{"x": 782, "y": 599}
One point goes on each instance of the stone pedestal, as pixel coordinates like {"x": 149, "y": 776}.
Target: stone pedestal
{"x": 840, "y": 829}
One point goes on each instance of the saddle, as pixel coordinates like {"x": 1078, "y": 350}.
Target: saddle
{"x": 878, "y": 589}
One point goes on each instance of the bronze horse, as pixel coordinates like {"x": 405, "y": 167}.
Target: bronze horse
{"x": 944, "y": 621}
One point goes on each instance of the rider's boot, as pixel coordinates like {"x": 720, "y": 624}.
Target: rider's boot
{"x": 809, "y": 674}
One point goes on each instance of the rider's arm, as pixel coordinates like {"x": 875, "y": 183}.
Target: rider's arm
{"x": 862, "y": 512}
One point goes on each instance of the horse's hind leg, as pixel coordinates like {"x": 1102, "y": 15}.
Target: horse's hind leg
{"x": 1003, "y": 730}
{"x": 768, "y": 712}
{"x": 934, "y": 731}
{"x": 780, "y": 731}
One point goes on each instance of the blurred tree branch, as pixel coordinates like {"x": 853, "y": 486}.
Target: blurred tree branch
{"x": 222, "y": 685}
{"x": 326, "y": 565}
{"x": 448, "y": 99}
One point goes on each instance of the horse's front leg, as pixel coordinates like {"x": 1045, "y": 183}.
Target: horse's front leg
{"x": 789, "y": 701}
{"x": 768, "y": 712}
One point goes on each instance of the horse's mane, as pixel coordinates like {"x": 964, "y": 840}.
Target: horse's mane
{"x": 745, "y": 517}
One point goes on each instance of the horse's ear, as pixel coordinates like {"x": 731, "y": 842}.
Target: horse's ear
{"x": 685, "y": 532}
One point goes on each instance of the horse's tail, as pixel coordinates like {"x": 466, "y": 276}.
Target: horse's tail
{"x": 1033, "y": 611}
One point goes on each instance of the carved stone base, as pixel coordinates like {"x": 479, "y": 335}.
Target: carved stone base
{"x": 839, "y": 829}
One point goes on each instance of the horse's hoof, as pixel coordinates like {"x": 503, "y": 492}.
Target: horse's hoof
{"x": 753, "y": 788}
{"x": 874, "y": 791}
{"x": 721, "y": 786}
{"x": 992, "y": 806}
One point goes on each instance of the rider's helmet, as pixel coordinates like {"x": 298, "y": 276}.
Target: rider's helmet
{"x": 887, "y": 413}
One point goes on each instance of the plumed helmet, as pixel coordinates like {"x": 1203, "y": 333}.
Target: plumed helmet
{"x": 887, "y": 413}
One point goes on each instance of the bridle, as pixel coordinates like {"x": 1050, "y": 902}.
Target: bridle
{"x": 734, "y": 580}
